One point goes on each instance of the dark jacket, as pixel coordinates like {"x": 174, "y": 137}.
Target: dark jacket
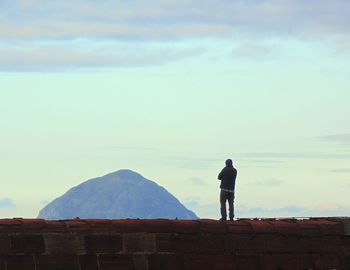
{"x": 228, "y": 177}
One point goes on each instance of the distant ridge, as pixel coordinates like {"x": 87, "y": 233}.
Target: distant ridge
{"x": 121, "y": 194}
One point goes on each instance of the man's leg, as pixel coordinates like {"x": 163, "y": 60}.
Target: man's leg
{"x": 223, "y": 198}
{"x": 230, "y": 205}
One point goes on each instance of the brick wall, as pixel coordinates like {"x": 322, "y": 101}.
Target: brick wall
{"x": 160, "y": 244}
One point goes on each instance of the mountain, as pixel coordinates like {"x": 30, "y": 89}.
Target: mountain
{"x": 122, "y": 194}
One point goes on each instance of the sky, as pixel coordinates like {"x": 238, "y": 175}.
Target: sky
{"x": 171, "y": 89}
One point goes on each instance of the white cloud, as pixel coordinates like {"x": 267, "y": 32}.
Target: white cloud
{"x": 7, "y": 203}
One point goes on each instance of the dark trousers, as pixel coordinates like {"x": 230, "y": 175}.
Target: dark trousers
{"x": 227, "y": 196}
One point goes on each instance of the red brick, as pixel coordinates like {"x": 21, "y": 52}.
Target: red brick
{"x": 196, "y": 262}
{"x": 139, "y": 242}
{"x": 20, "y": 262}
{"x": 128, "y": 225}
{"x": 260, "y": 226}
{"x": 100, "y": 225}
{"x": 28, "y": 244}
{"x": 309, "y": 228}
{"x": 2, "y": 263}
{"x": 212, "y": 226}
{"x": 186, "y": 243}
{"x": 286, "y": 227}
{"x": 239, "y": 227}
{"x": 88, "y": 262}
{"x": 185, "y": 226}
{"x": 278, "y": 244}
{"x": 64, "y": 244}
{"x": 210, "y": 244}
{"x": 314, "y": 245}
{"x": 5, "y": 244}
{"x": 328, "y": 227}
{"x": 269, "y": 261}
{"x": 56, "y": 226}
{"x": 10, "y": 225}
{"x": 116, "y": 262}
{"x": 140, "y": 262}
{"x": 57, "y": 262}
{"x": 78, "y": 225}
{"x": 241, "y": 262}
{"x": 291, "y": 262}
{"x": 331, "y": 261}
{"x": 103, "y": 243}
{"x": 240, "y": 244}
{"x": 166, "y": 261}
{"x": 164, "y": 242}
{"x": 313, "y": 261}
{"x": 345, "y": 243}
{"x": 158, "y": 225}
{"x": 224, "y": 263}
{"x": 33, "y": 225}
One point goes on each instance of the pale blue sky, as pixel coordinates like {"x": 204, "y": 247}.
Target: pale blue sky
{"x": 171, "y": 89}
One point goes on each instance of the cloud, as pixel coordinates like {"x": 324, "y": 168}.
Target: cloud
{"x": 268, "y": 183}
{"x": 197, "y": 181}
{"x": 296, "y": 155}
{"x": 7, "y": 203}
{"x": 253, "y": 51}
{"x": 57, "y": 58}
{"x": 343, "y": 138}
{"x": 171, "y": 18}
{"x": 341, "y": 171}
{"x": 28, "y": 24}
{"x": 323, "y": 210}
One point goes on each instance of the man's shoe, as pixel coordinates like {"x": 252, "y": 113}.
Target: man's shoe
{"x": 222, "y": 219}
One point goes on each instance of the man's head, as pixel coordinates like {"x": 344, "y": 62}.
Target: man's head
{"x": 229, "y": 162}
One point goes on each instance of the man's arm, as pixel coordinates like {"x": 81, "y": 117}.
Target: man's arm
{"x": 221, "y": 175}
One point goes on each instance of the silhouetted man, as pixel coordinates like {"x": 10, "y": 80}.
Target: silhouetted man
{"x": 228, "y": 181}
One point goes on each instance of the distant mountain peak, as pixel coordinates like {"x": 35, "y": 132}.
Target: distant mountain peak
{"x": 121, "y": 194}
{"x": 125, "y": 173}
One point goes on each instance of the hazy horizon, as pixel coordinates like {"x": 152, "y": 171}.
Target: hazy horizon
{"x": 171, "y": 89}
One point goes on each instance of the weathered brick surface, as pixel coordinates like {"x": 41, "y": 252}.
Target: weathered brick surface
{"x": 158, "y": 225}
{"x": 20, "y": 262}
{"x": 212, "y": 226}
{"x": 135, "y": 244}
{"x": 166, "y": 261}
{"x": 2, "y": 263}
{"x": 116, "y": 262}
{"x": 185, "y": 226}
{"x": 57, "y": 262}
{"x": 103, "y": 243}
{"x": 64, "y": 243}
{"x": 27, "y": 244}
{"x": 195, "y": 262}
{"x": 139, "y": 242}
{"x": 88, "y": 262}
{"x": 5, "y": 244}
{"x": 100, "y": 225}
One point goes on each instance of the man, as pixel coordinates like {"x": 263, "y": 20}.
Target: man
{"x": 228, "y": 181}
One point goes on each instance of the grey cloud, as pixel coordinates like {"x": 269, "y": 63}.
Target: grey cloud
{"x": 301, "y": 155}
{"x": 254, "y": 51}
{"x": 322, "y": 210}
{"x": 341, "y": 171}
{"x": 57, "y": 58}
{"x": 172, "y": 18}
{"x": 268, "y": 183}
{"x": 339, "y": 138}
{"x": 7, "y": 203}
